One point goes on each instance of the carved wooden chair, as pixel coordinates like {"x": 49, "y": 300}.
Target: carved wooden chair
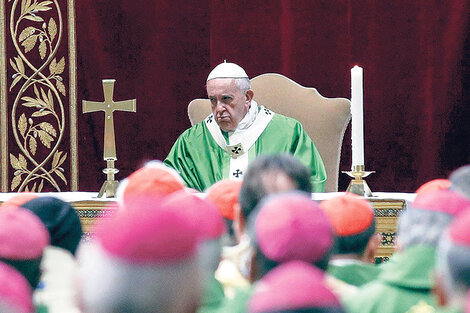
{"x": 324, "y": 119}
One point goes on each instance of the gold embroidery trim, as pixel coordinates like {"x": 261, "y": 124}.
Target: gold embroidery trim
{"x": 3, "y": 104}
{"x": 73, "y": 97}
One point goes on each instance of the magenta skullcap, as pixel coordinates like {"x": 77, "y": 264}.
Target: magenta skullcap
{"x": 459, "y": 230}
{"x": 202, "y": 213}
{"x": 445, "y": 201}
{"x": 23, "y": 236}
{"x": 15, "y": 291}
{"x": 290, "y": 227}
{"x": 148, "y": 234}
{"x": 289, "y": 286}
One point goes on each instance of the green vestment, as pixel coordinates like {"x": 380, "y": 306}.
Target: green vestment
{"x": 446, "y": 310}
{"x": 239, "y": 302}
{"x": 212, "y": 298}
{"x": 404, "y": 281}
{"x": 354, "y": 273}
{"x": 202, "y": 162}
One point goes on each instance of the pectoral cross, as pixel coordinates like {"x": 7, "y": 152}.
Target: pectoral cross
{"x": 109, "y": 154}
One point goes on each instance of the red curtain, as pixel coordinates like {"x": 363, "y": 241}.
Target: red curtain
{"x": 415, "y": 55}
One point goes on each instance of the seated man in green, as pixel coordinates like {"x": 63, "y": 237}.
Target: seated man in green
{"x": 238, "y": 130}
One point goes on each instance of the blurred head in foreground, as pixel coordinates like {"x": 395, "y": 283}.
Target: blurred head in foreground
{"x": 428, "y": 216}
{"x": 144, "y": 259}
{"x": 433, "y": 185}
{"x": 153, "y": 180}
{"x": 289, "y": 227}
{"x": 460, "y": 180}
{"x": 60, "y": 219}
{"x": 23, "y": 238}
{"x": 353, "y": 221}
{"x": 224, "y": 194}
{"x": 295, "y": 286}
{"x": 270, "y": 174}
{"x": 15, "y": 292}
{"x": 453, "y": 263}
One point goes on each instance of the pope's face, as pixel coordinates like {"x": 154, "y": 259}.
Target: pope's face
{"x": 229, "y": 104}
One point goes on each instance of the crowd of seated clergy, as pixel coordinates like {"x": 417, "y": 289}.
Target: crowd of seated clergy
{"x": 260, "y": 245}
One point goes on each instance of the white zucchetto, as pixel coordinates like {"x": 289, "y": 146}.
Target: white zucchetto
{"x": 227, "y": 70}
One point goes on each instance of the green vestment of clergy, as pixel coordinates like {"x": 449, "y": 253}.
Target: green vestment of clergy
{"x": 201, "y": 161}
{"x": 405, "y": 282}
{"x": 212, "y": 297}
{"x": 355, "y": 273}
{"x": 239, "y": 302}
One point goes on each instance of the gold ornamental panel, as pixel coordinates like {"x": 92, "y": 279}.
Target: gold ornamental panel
{"x": 38, "y": 96}
{"x": 387, "y": 212}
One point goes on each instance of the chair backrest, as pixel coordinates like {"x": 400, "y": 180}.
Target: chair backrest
{"x": 324, "y": 119}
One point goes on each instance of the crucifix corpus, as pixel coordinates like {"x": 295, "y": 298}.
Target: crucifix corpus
{"x": 109, "y": 155}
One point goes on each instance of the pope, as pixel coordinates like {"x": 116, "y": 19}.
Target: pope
{"x": 238, "y": 129}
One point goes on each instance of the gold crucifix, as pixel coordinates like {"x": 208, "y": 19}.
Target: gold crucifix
{"x": 109, "y": 154}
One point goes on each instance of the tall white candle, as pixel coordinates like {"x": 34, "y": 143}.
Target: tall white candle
{"x": 357, "y": 131}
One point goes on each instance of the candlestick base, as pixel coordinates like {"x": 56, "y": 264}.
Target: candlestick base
{"x": 358, "y": 185}
{"x": 110, "y": 185}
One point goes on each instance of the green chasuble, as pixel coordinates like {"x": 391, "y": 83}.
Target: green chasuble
{"x": 201, "y": 161}
{"x": 403, "y": 285}
{"x": 355, "y": 273}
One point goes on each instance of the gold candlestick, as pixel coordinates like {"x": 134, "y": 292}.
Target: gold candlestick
{"x": 358, "y": 185}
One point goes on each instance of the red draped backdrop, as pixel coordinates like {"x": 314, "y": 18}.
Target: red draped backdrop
{"x": 415, "y": 55}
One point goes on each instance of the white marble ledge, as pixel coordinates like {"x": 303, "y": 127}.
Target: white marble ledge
{"x": 92, "y": 196}
{"x": 65, "y": 196}
{"x": 409, "y": 197}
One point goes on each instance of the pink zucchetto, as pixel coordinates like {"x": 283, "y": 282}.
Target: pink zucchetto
{"x": 224, "y": 194}
{"x": 23, "y": 236}
{"x": 290, "y": 286}
{"x": 143, "y": 259}
{"x": 433, "y": 185}
{"x": 202, "y": 213}
{"x": 15, "y": 292}
{"x": 148, "y": 234}
{"x": 151, "y": 181}
{"x": 445, "y": 201}
{"x": 290, "y": 227}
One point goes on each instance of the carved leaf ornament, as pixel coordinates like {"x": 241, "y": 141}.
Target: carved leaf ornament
{"x": 38, "y": 117}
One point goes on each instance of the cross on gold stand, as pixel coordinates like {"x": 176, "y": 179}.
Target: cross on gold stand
{"x": 109, "y": 155}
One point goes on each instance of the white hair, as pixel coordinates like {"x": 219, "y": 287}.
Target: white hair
{"x": 209, "y": 253}
{"x": 460, "y": 180}
{"x": 453, "y": 266}
{"x": 243, "y": 84}
{"x": 112, "y": 285}
{"x": 416, "y": 226}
